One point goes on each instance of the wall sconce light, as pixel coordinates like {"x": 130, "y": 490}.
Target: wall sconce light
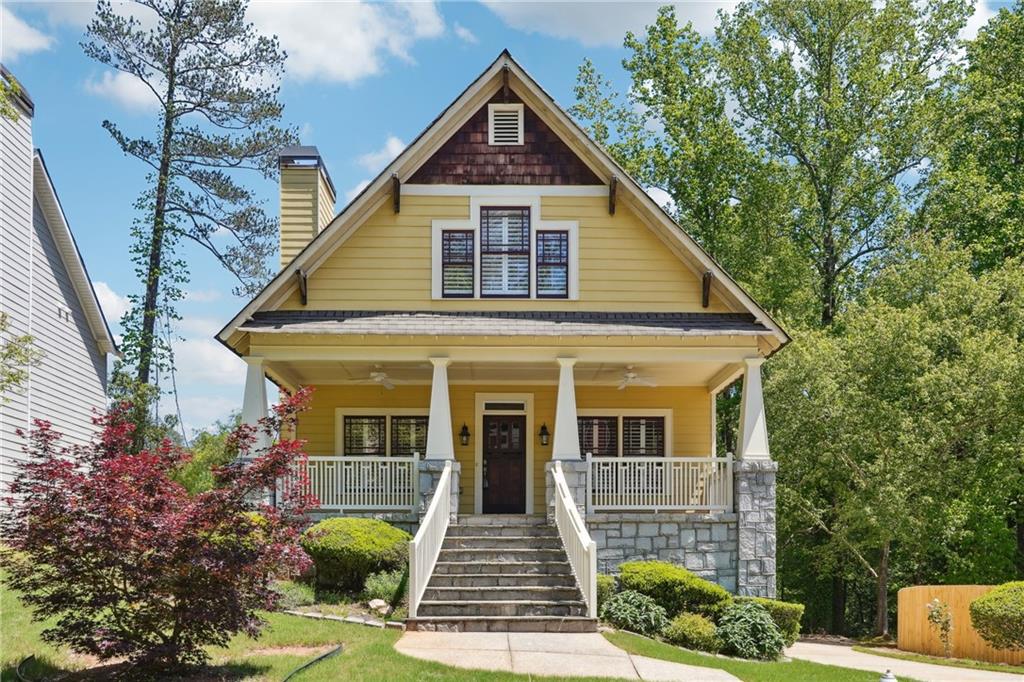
{"x": 544, "y": 434}
{"x": 464, "y": 435}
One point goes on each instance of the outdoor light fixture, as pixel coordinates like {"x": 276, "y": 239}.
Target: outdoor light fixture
{"x": 544, "y": 434}
{"x": 464, "y": 435}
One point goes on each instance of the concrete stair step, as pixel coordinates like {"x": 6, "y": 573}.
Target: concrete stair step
{"x": 502, "y": 593}
{"x": 499, "y": 555}
{"x": 517, "y": 530}
{"x": 501, "y": 542}
{"x": 513, "y": 624}
{"x": 501, "y": 520}
{"x": 502, "y": 580}
{"x": 501, "y": 608}
{"x": 444, "y": 567}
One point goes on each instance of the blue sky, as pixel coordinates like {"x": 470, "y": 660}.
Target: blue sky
{"x": 362, "y": 80}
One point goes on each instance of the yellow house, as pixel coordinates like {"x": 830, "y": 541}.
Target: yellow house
{"x": 516, "y": 352}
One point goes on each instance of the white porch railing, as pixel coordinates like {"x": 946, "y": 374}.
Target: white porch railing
{"x": 659, "y": 483}
{"x": 424, "y": 548}
{"x": 363, "y": 483}
{"x": 579, "y": 547}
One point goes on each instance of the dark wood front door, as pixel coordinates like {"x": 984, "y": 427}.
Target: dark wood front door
{"x": 504, "y": 464}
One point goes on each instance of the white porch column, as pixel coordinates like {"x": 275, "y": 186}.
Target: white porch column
{"x": 440, "y": 444}
{"x": 753, "y": 435}
{"x": 254, "y": 400}
{"x": 567, "y": 436}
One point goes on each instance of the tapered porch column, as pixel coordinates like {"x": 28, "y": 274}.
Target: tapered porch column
{"x": 440, "y": 444}
{"x": 254, "y": 400}
{"x": 567, "y": 437}
{"x": 753, "y": 435}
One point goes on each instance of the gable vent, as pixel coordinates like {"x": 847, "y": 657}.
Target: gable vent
{"x": 505, "y": 124}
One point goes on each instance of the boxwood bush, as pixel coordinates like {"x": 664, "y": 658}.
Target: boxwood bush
{"x": 347, "y": 550}
{"x": 786, "y": 615}
{"x": 674, "y": 588}
{"x": 693, "y": 632}
{"x": 747, "y": 630}
{"x": 629, "y": 610}
{"x": 998, "y": 616}
{"x": 605, "y": 589}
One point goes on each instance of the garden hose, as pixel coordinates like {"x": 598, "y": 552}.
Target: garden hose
{"x": 333, "y": 652}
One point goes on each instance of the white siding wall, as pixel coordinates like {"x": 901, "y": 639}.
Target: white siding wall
{"x": 70, "y": 380}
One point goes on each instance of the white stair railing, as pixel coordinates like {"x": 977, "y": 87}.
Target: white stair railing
{"x": 425, "y": 547}
{"x": 579, "y": 547}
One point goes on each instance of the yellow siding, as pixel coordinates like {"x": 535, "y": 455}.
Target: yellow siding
{"x": 307, "y": 205}
{"x": 691, "y": 419}
{"x": 386, "y": 263}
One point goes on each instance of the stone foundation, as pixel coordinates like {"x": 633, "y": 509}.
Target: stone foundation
{"x": 755, "y": 508}
{"x": 430, "y": 473}
{"x": 575, "y": 473}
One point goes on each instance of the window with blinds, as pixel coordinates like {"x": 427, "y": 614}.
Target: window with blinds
{"x": 365, "y": 436}
{"x": 505, "y": 252}
{"x": 457, "y": 263}
{"x": 599, "y": 436}
{"x": 643, "y": 436}
{"x": 552, "y": 264}
{"x": 408, "y": 435}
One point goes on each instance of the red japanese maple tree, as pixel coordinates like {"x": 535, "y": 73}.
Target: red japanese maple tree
{"x": 129, "y": 564}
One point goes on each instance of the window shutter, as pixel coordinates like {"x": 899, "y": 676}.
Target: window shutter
{"x": 599, "y": 436}
{"x": 643, "y": 436}
{"x": 505, "y": 124}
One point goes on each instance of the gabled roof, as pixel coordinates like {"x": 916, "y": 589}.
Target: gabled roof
{"x": 46, "y": 195}
{"x": 445, "y": 125}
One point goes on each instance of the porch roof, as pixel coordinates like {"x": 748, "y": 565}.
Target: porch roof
{"x": 503, "y": 323}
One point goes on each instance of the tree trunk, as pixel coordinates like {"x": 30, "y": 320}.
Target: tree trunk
{"x": 838, "y": 605}
{"x": 882, "y": 594}
{"x": 828, "y": 279}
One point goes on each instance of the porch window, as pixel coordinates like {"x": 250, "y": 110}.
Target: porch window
{"x": 505, "y": 252}
{"x": 599, "y": 436}
{"x": 365, "y": 436}
{"x": 408, "y": 435}
{"x": 552, "y": 264}
{"x": 643, "y": 436}
{"x": 457, "y": 263}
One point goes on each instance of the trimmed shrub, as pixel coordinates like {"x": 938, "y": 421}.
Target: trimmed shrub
{"x": 674, "y": 588}
{"x": 691, "y": 631}
{"x": 998, "y": 616}
{"x": 294, "y": 594}
{"x": 747, "y": 630}
{"x": 387, "y": 585}
{"x": 786, "y": 615}
{"x": 605, "y": 589}
{"x": 636, "y": 612}
{"x": 347, "y": 550}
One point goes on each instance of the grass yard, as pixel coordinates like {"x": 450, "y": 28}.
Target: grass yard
{"x": 939, "y": 660}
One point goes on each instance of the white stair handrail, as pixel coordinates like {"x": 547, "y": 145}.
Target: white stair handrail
{"x": 579, "y": 547}
{"x": 426, "y": 546}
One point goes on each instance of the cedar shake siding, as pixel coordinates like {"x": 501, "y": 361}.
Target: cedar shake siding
{"x": 467, "y": 159}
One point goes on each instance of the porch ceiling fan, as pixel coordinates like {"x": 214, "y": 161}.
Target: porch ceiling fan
{"x": 377, "y": 376}
{"x": 631, "y": 378}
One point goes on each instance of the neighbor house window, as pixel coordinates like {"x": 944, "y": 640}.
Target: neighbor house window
{"x": 408, "y": 435}
{"x": 552, "y": 264}
{"x": 505, "y": 252}
{"x": 643, "y": 436}
{"x": 599, "y": 436}
{"x": 365, "y": 436}
{"x": 457, "y": 263}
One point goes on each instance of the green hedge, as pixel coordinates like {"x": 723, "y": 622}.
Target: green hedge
{"x": 347, "y": 550}
{"x": 629, "y": 610}
{"x": 998, "y": 616}
{"x": 747, "y": 630}
{"x": 786, "y": 615}
{"x": 691, "y": 631}
{"x": 605, "y": 589}
{"x": 674, "y": 588}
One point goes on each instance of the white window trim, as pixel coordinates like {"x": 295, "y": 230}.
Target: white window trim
{"x": 387, "y": 412}
{"x": 619, "y": 413}
{"x": 478, "y": 443}
{"x": 491, "y": 108}
{"x": 536, "y": 224}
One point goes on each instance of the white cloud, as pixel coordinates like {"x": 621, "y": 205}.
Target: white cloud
{"x": 200, "y": 412}
{"x": 306, "y": 132}
{"x": 123, "y": 88}
{"x": 982, "y": 13}
{"x": 345, "y": 41}
{"x": 18, "y": 38}
{"x": 114, "y": 305}
{"x": 203, "y": 361}
{"x": 354, "y": 192}
{"x": 202, "y": 327}
{"x": 599, "y": 23}
{"x": 203, "y": 295}
{"x": 376, "y": 160}
{"x": 464, "y": 34}
{"x": 663, "y": 198}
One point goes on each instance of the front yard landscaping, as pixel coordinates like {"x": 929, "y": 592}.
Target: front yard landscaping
{"x": 939, "y": 660}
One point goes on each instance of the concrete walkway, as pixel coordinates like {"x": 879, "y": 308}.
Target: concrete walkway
{"x": 846, "y": 657}
{"x": 542, "y": 653}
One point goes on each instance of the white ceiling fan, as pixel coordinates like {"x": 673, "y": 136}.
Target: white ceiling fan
{"x": 631, "y": 378}
{"x": 377, "y": 376}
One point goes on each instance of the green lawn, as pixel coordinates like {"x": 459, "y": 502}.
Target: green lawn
{"x": 938, "y": 660}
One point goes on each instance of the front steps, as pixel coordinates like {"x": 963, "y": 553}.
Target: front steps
{"x": 502, "y": 573}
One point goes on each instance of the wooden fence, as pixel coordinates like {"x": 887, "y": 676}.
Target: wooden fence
{"x": 916, "y": 634}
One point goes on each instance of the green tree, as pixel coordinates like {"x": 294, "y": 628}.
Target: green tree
{"x": 9, "y": 90}
{"x": 17, "y": 354}
{"x": 215, "y": 81}
{"x": 210, "y": 449}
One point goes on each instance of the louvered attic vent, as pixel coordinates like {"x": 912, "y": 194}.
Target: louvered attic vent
{"x": 505, "y": 124}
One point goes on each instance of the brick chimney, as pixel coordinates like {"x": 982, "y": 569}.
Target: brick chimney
{"x": 307, "y": 199}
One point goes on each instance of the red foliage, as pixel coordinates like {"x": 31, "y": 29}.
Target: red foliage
{"x": 128, "y": 563}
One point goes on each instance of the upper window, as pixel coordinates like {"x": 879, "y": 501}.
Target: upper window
{"x": 552, "y": 264}
{"x": 505, "y": 252}
{"x": 505, "y": 124}
{"x": 457, "y": 263}
{"x": 643, "y": 436}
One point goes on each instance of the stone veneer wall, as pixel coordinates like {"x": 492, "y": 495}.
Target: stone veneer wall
{"x": 754, "y": 493}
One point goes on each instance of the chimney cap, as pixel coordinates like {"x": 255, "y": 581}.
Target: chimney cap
{"x": 304, "y": 155}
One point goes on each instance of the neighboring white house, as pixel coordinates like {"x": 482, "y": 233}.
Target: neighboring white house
{"x": 46, "y": 292}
